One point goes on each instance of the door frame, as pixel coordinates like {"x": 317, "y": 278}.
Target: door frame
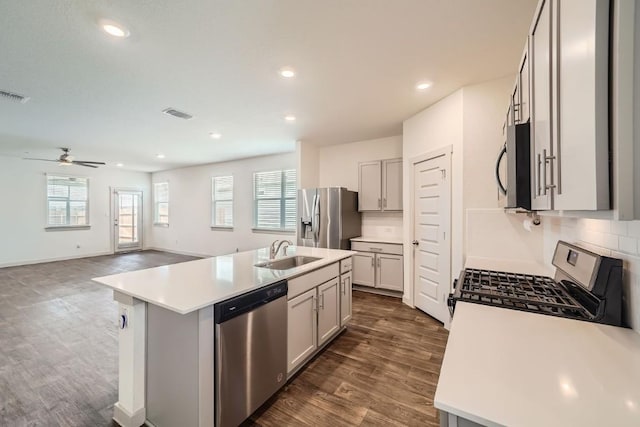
{"x": 112, "y": 205}
{"x": 446, "y": 151}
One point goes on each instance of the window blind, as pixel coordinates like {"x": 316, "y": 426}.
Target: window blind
{"x": 275, "y": 200}
{"x": 67, "y": 201}
{"x": 161, "y": 203}
{"x": 222, "y": 201}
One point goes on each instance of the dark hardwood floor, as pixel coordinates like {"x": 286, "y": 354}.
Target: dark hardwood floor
{"x": 58, "y": 355}
{"x": 382, "y": 371}
{"x": 58, "y": 340}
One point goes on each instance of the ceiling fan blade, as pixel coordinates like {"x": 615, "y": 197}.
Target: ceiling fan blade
{"x": 83, "y": 164}
{"x": 42, "y": 160}
{"x": 93, "y": 163}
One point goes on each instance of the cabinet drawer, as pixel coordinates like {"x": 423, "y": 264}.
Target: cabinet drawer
{"x": 346, "y": 265}
{"x": 386, "y": 248}
{"x": 303, "y": 283}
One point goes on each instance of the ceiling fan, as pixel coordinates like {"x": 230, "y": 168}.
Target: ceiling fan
{"x": 66, "y": 159}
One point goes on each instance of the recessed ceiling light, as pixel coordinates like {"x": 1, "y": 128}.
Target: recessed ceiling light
{"x": 160, "y": 156}
{"x": 423, "y": 86}
{"x": 287, "y": 72}
{"x": 119, "y": 165}
{"x": 114, "y": 29}
{"x": 290, "y": 118}
{"x": 215, "y": 135}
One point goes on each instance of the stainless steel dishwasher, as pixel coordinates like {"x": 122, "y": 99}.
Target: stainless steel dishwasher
{"x": 251, "y": 352}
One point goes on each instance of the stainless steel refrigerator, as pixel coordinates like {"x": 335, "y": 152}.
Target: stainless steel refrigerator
{"x": 328, "y": 217}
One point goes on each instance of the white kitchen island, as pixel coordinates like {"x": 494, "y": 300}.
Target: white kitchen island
{"x": 180, "y": 299}
{"x": 506, "y": 367}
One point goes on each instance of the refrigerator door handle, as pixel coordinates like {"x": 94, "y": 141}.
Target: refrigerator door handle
{"x": 315, "y": 227}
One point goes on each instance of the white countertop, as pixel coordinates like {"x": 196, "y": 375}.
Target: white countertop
{"x": 192, "y": 285}
{"x": 372, "y": 239}
{"x": 511, "y": 368}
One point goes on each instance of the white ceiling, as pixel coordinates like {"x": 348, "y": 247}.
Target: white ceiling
{"x": 357, "y": 62}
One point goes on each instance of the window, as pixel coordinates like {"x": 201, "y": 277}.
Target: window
{"x": 161, "y": 203}
{"x": 274, "y": 195}
{"x": 67, "y": 201}
{"x": 222, "y": 201}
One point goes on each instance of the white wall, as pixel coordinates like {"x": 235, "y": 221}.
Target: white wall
{"x": 619, "y": 239}
{"x": 338, "y": 167}
{"x": 189, "y": 228}
{"x": 308, "y": 165}
{"x": 438, "y": 126}
{"x": 23, "y": 212}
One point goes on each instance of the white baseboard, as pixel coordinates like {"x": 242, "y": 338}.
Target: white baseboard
{"x": 54, "y": 259}
{"x": 171, "y": 251}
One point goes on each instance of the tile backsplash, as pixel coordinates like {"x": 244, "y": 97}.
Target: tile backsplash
{"x": 382, "y": 224}
{"x": 618, "y": 239}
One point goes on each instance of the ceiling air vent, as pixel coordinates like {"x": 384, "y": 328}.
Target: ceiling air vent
{"x": 13, "y": 97}
{"x": 179, "y": 114}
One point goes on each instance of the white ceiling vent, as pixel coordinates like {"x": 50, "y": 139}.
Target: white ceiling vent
{"x": 176, "y": 113}
{"x": 13, "y": 97}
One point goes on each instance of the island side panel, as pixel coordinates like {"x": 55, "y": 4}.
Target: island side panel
{"x": 172, "y": 368}
{"x": 206, "y": 356}
{"x": 129, "y": 410}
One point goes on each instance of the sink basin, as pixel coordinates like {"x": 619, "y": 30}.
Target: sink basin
{"x": 287, "y": 263}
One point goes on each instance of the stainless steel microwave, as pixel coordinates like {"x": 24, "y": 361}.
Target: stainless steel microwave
{"x": 518, "y": 152}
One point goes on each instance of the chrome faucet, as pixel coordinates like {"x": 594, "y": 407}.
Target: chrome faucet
{"x": 275, "y": 247}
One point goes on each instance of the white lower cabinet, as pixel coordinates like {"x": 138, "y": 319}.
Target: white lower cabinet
{"x": 389, "y": 272}
{"x": 345, "y": 298}
{"x": 302, "y": 330}
{"x": 320, "y": 307}
{"x": 364, "y": 269}
{"x": 381, "y": 268}
{"x": 328, "y": 310}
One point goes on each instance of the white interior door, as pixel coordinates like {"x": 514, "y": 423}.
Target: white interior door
{"x": 127, "y": 220}
{"x": 432, "y": 235}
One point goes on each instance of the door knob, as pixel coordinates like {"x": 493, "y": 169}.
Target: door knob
{"x": 415, "y": 243}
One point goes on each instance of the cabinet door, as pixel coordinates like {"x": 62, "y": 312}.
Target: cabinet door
{"x": 581, "y": 168}
{"x": 364, "y": 269}
{"x": 345, "y": 298}
{"x": 392, "y": 185}
{"x": 389, "y": 272}
{"x": 328, "y": 310}
{"x": 541, "y": 112}
{"x": 369, "y": 186}
{"x": 302, "y": 330}
{"x": 523, "y": 82}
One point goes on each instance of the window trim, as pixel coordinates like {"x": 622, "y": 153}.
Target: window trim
{"x": 213, "y": 225}
{"x": 66, "y": 227}
{"x": 283, "y": 201}
{"x": 155, "y": 205}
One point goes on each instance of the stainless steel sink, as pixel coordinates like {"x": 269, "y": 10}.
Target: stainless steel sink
{"x": 287, "y": 263}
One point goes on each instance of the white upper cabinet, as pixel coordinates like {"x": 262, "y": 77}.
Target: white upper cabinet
{"x": 369, "y": 183}
{"x": 541, "y": 147}
{"x": 392, "y": 185}
{"x": 568, "y": 63}
{"x": 380, "y": 185}
{"x": 524, "y": 113}
{"x": 581, "y": 90}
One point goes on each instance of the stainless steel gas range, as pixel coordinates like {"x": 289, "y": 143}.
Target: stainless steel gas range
{"x": 586, "y": 286}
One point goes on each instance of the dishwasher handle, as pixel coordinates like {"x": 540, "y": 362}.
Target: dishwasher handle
{"x": 244, "y": 303}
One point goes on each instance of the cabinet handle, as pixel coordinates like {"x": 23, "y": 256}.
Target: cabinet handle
{"x": 538, "y": 174}
{"x": 378, "y": 262}
{"x": 548, "y": 160}
{"x": 322, "y": 301}
{"x": 379, "y": 204}
{"x": 384, "y": 202}
{"x": 373, "y": 262}
{"x": 375, "y": 249}
{"x": 314, "y": 303}
{"x": 344, "y": 287}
